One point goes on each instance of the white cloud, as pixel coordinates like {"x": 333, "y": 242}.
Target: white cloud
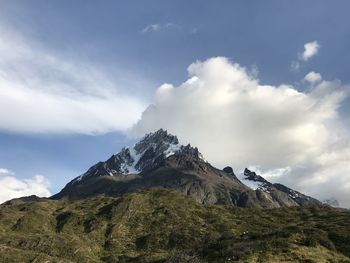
{"x": 326, "y": 175}
{"x": 310, "y": 50}
{"x": 313, "y": 77}
{"x": 12, "y": 187}
{"x": 151, "y": 28}
{"x": 157, "y": 27}
{"x": 41, "y": 91}
{"x": 272, "y": 175}
{"x": 6, "y": 171}
{"x": 235, "y": 120}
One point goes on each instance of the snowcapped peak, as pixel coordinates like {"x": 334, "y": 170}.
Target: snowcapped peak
{"x": 160, "y": 139}
{"x": 153, "y": 148}
{"x": 146, "y": 154}
{"x": 160, "y": 135}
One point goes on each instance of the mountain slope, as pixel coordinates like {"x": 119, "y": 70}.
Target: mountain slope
{"x": 159, "y": 161}
{"x": 166, "y": 226}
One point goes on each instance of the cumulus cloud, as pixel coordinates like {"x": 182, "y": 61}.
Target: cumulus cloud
{"x": 12, "y": 187}
{"x": 235, "y": 120}
{"x": 310, "y": 50}
{"x": 41, "y": 91}
{"x": 313, "y": 77}
{"x": 6, "y": 171}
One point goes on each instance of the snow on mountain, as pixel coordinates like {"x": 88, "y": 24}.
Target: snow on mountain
{"x": 144, "y": 155}
{"x": 257, "y": 182}
{"x": 159, "y": 160}
{"x": 252, "y": 180}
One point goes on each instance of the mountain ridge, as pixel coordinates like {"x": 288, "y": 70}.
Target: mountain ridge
{"x": 158, "y": 160}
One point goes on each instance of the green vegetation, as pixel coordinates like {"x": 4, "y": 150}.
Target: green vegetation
{"x": 165, "y": 226}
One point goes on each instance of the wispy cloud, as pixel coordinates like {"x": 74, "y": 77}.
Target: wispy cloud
{"x": 43, "y": 91}
{"x": 151, "y": 28}
{"x": 158, "y": 27}
{"x": 295, "y": 66}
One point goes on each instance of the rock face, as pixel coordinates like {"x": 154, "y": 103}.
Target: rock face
{"x": 159, "y": 161}
{"x": 143, "y": 156}
{"x": 282, "y": 194}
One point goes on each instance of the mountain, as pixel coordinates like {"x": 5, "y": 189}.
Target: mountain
{"x": 165, "y": 226}
{"x": 143, "y": 156}
{"x": 158, "y": 160}
{"x": 276, "y": 190}
{"x": 160, "y": 201}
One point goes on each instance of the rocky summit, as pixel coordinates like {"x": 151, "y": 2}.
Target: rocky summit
{"x": 158, "y": 160}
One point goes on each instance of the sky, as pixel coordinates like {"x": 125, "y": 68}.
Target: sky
{"x": 260, "y": 84}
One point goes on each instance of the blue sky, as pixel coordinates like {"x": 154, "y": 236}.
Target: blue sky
{"x": 116, "y": 54}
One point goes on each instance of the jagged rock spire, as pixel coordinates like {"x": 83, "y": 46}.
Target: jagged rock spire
{"x": 146, "y": 154}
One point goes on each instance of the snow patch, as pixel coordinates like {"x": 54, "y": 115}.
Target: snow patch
{"x": 254, "y": 185}
{"x": 132, "y": 160}
{"x": 135, "y": 157}
{"x": 251, "y": 184}
{"x": 172, "y": 149}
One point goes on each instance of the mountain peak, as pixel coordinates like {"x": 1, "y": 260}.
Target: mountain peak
{"x": 159, "y": 135}
{"x": 146, "y": 154}
{"x": 252, "y": 176}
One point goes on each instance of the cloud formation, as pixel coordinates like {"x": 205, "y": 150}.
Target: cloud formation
{"x": 313, "y": 77}
{"x": 6, "y": 171}
{"x": 310, "y": 50}
{"x": 151, "y": 28}
{"x": 235, "y": 120}
{"x": 41, "y": 91}
{"x": 157, "y": 27}
{"x": 12, "y": 187}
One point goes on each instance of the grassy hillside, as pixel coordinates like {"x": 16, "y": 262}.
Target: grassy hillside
{"x": 165, "y": 226}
